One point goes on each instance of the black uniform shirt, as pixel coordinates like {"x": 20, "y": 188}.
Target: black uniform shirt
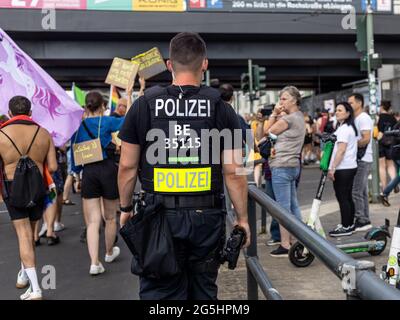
{"x": 137, "y": 120}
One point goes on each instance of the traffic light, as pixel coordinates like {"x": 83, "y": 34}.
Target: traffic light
{"x": 361, "y": 43}
{"x": 245, "y": 82}
{"x": 375, "y": 60}
{"x": 259, "y": 77}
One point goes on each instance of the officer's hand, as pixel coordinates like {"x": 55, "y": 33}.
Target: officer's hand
{"x": 246, "y": 227}
{"x": 125, "y": 216}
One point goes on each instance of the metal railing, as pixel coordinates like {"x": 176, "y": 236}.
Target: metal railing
{"x": 256, "y": 276}
{"x": 359, "y": 280}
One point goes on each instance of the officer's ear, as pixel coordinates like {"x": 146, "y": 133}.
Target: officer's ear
{"x": 169, "y": 66}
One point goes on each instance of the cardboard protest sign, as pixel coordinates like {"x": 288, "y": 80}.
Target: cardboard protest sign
{"x": 87, "y": 152}
{"x": 122, "y": 73}
{"x": 150, "y": 63}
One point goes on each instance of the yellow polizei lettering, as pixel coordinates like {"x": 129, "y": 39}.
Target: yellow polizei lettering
{"x": 182, "y": 180}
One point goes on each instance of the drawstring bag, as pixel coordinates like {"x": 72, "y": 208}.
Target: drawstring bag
{"x": 27, "y": 189}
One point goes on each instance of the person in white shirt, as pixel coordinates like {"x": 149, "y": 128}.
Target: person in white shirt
{"x": 364, "y": 127}
{"x": 343, "y": 168}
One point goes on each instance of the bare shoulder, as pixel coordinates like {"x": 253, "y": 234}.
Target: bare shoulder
{"x": 44, "y": 134}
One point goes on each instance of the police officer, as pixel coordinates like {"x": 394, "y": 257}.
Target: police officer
{"x": 183, "y": 171}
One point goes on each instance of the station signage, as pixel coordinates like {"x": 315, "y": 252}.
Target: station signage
{"x": 282, "y": 6}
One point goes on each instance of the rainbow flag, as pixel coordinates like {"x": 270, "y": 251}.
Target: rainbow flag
{"x": 114, "y": 97}
{"x": 51, "y": 195}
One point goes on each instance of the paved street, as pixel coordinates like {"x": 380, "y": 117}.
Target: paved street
{"x": 70, "y": 258}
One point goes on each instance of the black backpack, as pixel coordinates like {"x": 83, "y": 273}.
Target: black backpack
{"x": 28, "y": 188}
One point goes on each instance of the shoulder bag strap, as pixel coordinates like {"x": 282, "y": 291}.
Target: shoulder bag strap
{"x": 34, "y": 137}
{"x": 15, "y": 146}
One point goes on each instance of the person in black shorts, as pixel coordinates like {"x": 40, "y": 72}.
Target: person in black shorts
{"x": 19, "y": 137}
{"x": 99, "y": 188}
{"x": 386, "y": 165}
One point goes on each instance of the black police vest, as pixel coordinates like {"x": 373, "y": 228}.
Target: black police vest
{"x": 178, "y": 156}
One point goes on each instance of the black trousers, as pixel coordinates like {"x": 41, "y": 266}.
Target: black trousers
{"x": 198, "y": 236}
{"x": 343, "y": 186}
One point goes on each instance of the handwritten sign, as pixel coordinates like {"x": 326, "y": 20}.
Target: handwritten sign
{"x": 87, "y": 152}
{"x": 150, "y": 63}
{"x": 122, "y": 73}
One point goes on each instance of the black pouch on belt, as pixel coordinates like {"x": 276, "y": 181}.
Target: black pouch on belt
{"x": 149, "y": 239}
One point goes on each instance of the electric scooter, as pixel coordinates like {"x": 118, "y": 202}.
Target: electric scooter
{"x": 373, "y": 242}
{"x": 390, "y": 272}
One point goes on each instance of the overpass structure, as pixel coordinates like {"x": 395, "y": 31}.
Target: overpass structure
{"x": 309, "y": 49}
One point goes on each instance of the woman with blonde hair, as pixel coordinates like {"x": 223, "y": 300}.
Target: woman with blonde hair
{"x": 287, "y": 123}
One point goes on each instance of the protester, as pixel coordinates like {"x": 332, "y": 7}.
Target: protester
{"x": 287, "y": 122}
{"x": 343, "y": 167}
{"x": 52, "y": 215}
{"x": 69, "y": 181}
{"x": 386, "y": 165}
{"x": 21, "y": 136}
{"x": 120, "y": 110}
{"x": 364, "y": 128}
{"x": 99, "y": 182}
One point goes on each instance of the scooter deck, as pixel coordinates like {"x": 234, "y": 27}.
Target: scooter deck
{"x": 347, "y": 240}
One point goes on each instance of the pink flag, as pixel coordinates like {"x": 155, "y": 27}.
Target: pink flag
{"x": 52, "y": 108}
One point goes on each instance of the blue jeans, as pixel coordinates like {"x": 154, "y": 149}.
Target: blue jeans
{"x": 274, "y": 228}
{"x": 284, "y": 186}
{"x": 392, "y": 184}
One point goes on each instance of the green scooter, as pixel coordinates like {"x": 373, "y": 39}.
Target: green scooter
{"x": 374, "y": 241}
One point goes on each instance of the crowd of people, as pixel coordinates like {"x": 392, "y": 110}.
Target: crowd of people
{"x": 97, "y": 184}
{"x": 110, "y": 180}
{"x": 350, "y": 166}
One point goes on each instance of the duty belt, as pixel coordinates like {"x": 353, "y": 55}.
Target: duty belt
{"x": 198, "y": 202}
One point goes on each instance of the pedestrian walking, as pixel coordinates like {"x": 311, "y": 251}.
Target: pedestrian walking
{"x": 24, "y": 142}
{"x": 99, "y": 181}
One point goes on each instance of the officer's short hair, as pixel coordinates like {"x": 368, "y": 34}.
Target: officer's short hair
{"x": 187, "y": 51}
{"x": 226, "y": 92}
{"x": 19, "y": 105}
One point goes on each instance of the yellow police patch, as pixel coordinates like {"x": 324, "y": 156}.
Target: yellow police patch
{"x": 182, "y": 179}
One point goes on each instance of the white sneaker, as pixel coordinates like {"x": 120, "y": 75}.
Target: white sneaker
{"x": 115, "y": 254}
{"x": 43, "y": 230}
{"x": 58, "y": 227}
{"x": 29, "y": 295}
{"x": 96, "y": 269}
{"x": 22, "y": 280}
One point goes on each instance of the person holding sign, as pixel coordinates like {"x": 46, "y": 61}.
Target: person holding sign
{"x": 183, "y": 207}
{"x": 99, "y": 177}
